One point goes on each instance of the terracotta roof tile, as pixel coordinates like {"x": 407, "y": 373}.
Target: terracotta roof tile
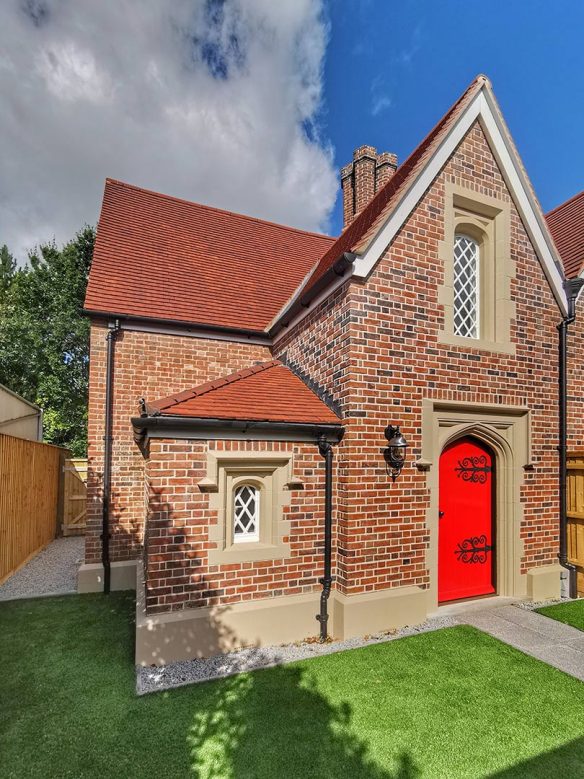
{"x": 566, "y": 224}
{"x": 163, "y": 258}
{"x": 267, "y": 391}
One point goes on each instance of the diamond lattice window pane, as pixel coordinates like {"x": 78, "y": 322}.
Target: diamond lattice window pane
{"x": 466, "y": 287}
{"x": 246, "y": 512}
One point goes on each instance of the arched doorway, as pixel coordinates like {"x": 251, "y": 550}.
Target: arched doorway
{"x": 466, "y": 527}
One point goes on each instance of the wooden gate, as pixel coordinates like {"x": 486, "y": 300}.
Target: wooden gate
{"x": 30, "y": 480}
{"x": 575, "y": 497}
{"x": 75, "y": 497}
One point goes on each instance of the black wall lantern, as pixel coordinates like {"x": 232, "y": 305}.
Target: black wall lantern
{"x": 395, "y": 454}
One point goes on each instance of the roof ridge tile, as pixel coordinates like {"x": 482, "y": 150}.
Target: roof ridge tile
{"x": 216, "y": 209}
{"x": 567, "y": 202}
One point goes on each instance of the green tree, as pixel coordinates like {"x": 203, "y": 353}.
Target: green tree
{"x": 7, "y": 270}
{"x": 44, "y": 338}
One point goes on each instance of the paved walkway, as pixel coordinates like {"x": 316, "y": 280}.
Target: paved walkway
{"x": 559, "y": 645}
{"x": 52, "y": 572}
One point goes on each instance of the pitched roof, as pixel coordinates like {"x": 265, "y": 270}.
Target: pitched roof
{"x": 163, "y": 258}
{"x": 566, "y": 224}
{"x": 365, "y": 225}
{"x": 267, "y": 391}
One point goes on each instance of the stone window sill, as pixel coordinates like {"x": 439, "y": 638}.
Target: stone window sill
{"x": 447, "y": 339}
{"x": 248, "y": 552}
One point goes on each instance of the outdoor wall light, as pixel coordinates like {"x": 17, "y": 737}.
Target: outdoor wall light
{"x": 395, "y": 453}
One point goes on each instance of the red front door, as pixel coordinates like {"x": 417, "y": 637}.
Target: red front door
{"x": 466, "y": 544}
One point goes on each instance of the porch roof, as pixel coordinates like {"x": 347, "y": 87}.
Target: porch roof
{"x": 264, "y": 392}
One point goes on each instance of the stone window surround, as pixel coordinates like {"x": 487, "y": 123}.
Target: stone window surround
{"x": 486, "y": 220}
{"x": 506, "y": 430}
{"x": 272, "y": 474}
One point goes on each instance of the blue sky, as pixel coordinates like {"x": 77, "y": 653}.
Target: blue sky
{"x": 392, "y": 69}
{"x": 254, "y": 105}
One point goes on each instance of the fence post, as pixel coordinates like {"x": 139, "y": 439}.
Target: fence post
{"x": 64, "y": 454}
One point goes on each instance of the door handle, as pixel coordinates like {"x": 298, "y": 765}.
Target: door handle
{"x": 440, "y": 514}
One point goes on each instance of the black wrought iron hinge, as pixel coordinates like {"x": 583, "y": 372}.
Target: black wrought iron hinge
{"x": 473, "y": 469}
{"x": 473, "y": 550}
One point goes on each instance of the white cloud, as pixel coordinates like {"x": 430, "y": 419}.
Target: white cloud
{"x": 72, "y": 74}
{"x": 380, "y": 103}
{"x": 212, "y": 101}
{"x": 380, "y": 100}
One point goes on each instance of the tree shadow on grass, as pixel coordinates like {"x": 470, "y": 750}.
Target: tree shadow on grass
{"x": 278, "y": 724}
{"x": 566, "y": 761}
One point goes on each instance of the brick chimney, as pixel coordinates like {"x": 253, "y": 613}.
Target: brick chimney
{"x": 363, "y": 177}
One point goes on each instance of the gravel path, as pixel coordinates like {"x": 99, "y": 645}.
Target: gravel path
{"x": 52, "y": 572}
{"x": 190, "y": 671}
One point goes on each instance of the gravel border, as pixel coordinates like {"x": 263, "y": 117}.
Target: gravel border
{"x": 155, "y": 679}
{"x": 533, "y": 605}
{"x": 53, "y": 571}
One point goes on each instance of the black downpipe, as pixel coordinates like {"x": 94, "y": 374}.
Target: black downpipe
{"x": 107, "y": 456}
{"x": 326, "y": 450}
{"x": 572, "y": 287}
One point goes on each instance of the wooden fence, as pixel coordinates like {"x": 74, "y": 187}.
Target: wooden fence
{"x": 30, "y": 498}
{"x": 75, "y": 497}
{"x": 575, "y": 497}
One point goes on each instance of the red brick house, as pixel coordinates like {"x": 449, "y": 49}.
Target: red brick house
{"x": 243, "y": 375}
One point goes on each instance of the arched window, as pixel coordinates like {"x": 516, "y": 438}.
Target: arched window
{"x": 246, "y": 514}
{"x": 466, "y": 287}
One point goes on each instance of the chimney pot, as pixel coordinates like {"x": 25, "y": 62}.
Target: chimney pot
{"x": 363, "y": 178}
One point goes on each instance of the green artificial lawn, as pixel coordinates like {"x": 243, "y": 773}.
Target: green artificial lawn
{"x": 453, "y": 703}
{"x": 572, "y": 613}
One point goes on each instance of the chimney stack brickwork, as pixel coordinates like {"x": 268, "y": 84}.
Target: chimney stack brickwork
{"x": 363, "y": 177}
{"x": 386, "y": 166}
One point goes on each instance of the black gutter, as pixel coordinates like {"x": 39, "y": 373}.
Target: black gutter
{"x": 326, "y": 451}
{"x": 114, "y": 329}
{"x": 572, "y": 287}
{"x": 179, "y": 323}
{"x": 166, "y": 422}
{"x": 339, "y": 268}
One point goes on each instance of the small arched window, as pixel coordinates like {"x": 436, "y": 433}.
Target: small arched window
{"x": 466, "y": 287}
{"x": 246, "y": 514}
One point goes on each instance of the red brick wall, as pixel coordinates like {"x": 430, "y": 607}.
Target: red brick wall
{"x": 178, "y": 574}
{"x": 149, "y": 365}
{"x": 394, "y": 360}
{"x": 322, "y": 347}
